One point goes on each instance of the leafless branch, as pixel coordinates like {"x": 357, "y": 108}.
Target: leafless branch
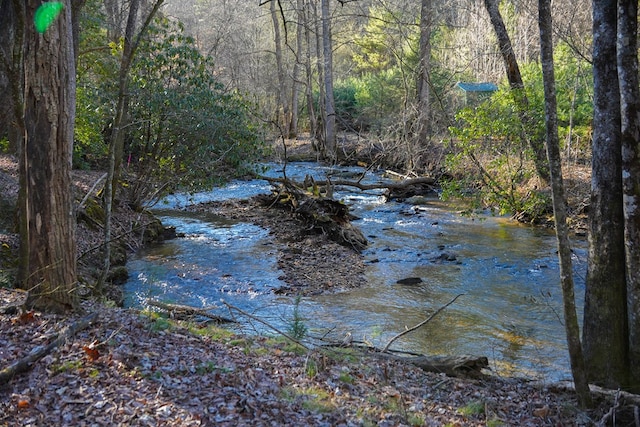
{"x": 424, "y": 322}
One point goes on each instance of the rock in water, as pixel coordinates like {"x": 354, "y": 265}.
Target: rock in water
{"x": 409, "y": 281}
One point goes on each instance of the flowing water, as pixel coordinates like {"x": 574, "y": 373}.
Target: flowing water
{"x": 507, "y": 275}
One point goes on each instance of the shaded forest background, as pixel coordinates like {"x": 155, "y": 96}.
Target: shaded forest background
{"x": 211, "y": 81}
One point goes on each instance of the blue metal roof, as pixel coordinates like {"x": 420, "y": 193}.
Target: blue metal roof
{"x": 477, "y": 87}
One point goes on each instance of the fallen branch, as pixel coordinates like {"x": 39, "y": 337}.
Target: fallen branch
{"x": 185, "y": 310}
{"x": 86, "y": 196}
{"x": 24, "y": 364}
{"x": 424, "y": 322}
{"x": 611, "y": 413}
{"x": 257, "y": 319}
{"x": 400, "y": 185}
{"x": 599, "y": 392}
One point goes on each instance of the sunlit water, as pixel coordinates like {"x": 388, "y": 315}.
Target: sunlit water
{"x": 507, "y": 275}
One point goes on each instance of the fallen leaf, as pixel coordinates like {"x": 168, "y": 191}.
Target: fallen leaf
{"x": 542, "y": 412}
{"x": 92, "y": 353}
{"x": 23, "y": 404}
{"x": 25, "y": 318}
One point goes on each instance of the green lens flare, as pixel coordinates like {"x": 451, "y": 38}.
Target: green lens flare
{"x": 46, "y": 14}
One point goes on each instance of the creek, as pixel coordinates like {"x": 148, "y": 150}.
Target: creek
{"x": 508, "y": 273}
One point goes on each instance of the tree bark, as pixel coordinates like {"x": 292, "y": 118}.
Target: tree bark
{"x": 518, "y": 91}
{"x": 627, "y": 50}
{"x": 605, "y": 312}
{"x": 572, "y": 327}
{"x": 47, "y": 239}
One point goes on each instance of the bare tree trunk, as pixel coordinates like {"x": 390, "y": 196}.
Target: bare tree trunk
{"x": 48, "y": 270}
{"x": 283, "y": 118}
{"x": 572, "y": 327}
{"x": 114, "y": 19}
{"x": 627, "y": 50}
{"x": 297, "y": 67}
{"x": 329, "y": 116}
{"x": 517, "y": 88}
{"x": 605, "y": 331}
{"x": 117, "y": 135}
{"x": 424, "y": 91}
{"x": 116, "y": 142}
{"x": 314, "y": 114}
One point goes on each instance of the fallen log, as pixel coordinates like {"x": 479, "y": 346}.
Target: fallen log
{"x": 182, "y": 311}
{"x": 456, "y": 366}
{"x": 463, "y": 366}
{"x": 24, "y": 364}
{"x": 453, "y": 366}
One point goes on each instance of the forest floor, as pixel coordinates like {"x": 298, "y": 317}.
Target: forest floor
{"x": 140, "y": 369}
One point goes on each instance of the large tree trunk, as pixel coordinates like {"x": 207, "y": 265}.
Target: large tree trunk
{"x": 48, "y": 267}
{"x": 12, "y": 17}
{"x": 630, "y": 108}
{"x": 572, "y": 327}
{"x": 605, "y": 312}
{"x": 517, "y": 89}
{"x": 329, "y": 114}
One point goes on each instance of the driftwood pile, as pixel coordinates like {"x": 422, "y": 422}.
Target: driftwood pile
{"x": 319, "y": 211}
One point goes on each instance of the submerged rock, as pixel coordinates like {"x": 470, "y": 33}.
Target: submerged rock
{"x": 409, "y": 281}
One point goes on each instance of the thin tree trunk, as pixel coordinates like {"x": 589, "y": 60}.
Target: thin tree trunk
{"x": 572, "y": 327}
{"x": 424, "y": 91}
{"x": 630, "y": 109}
{"x": 297, "y": 67}
{"x": 318, "y": 129}
{"x": 116, "y": 142}
{"x": 605, "y": 331}
{"x": 330, "y": 140}
{"x": 117, "y": 135}
{"x": 283, "y": 118}
{"x": 46, "y": 205}
{"x": 517, "y": 88}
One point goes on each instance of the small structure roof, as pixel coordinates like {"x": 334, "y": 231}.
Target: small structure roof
{"x": 477, "y": 87}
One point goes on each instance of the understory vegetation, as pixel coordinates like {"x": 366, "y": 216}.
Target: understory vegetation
{"x": 186, "y": 130}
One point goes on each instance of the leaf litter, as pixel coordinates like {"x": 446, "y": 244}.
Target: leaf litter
{"x": 141, "y": 372}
